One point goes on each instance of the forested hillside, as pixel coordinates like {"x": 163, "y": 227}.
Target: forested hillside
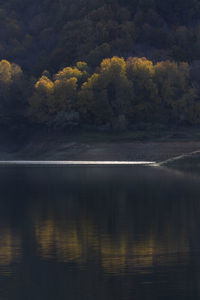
{"x": 55, "y": 70}
{"x": 46, "y": 34}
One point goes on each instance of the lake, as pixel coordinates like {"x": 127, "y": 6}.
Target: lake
{"x": 99, "y": 232}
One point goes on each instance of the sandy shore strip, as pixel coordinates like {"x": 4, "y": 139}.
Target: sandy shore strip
{"x": 123, "y": 152}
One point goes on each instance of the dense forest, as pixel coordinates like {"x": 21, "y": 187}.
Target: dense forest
{"x": 108, "y": 64}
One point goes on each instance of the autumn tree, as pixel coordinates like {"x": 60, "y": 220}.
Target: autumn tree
{"x": 105, "y": 97}
{"x": 41, "y": 100}
{"x": 144, "y": 101}
{"x": 119, "y": 93}
{"x": 60, "y": 94}
{"x": 174, "y": 89}
{"x": 11, "y": 89}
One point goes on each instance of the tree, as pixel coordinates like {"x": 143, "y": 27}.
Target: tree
{"x": 51, "y": 97}
{"x": 140, "y": 72}
{"x": 106, "y": 95}
{"x": 173, "y": 84}
{"x": 41, "y": 101}
{"x": 11, "y": 88}
{"x": 80, "y": 72}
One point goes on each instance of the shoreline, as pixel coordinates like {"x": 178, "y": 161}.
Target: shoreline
{"x": 162, "y": 147}
{"x": 74, "y": 163}
{"x": 158, "y": 152}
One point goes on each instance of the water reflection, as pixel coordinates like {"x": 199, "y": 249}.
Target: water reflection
{"x": 124, "y": 253}
{"x": 10, "y": 250}
{"x": 65, "y": 244}
{"x": 99, "y": 233}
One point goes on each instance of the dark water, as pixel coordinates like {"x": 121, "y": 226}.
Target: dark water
{"x": 99, "y": 233}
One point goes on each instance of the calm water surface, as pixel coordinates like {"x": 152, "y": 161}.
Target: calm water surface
{"x": 104, "y": 233}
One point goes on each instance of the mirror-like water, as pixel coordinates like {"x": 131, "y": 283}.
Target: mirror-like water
{"x": 99, "y": 233}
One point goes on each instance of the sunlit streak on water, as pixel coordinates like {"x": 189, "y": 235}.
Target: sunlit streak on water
{"x": 79, "y": 163}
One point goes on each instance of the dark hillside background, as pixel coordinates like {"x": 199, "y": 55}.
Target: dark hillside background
{"x": 53, "y": 70}
{"x": 48, "y": 34}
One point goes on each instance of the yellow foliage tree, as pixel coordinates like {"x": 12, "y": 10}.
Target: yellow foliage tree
{"x": 51, "y": 97}
{"x": 140, "y": 72}
{"x": 5, "y": 72}
{"x": 80, "y": 72}
{"x": 106, "y": 95}
{"x": 10, "y": 87}
{"x": 9, "y": 72}
{"x": 64, "y": 94}
{"x": 67, "y": 73}
{"x": 41, "y": 101}
{"x": 172, "y": 80}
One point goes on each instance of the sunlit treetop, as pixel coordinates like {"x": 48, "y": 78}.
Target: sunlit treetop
{"x": 67, "y": 73}
{"x": 9, "y": 71}
{"x": 82, "y": 66}
{"x": 44, "y": 84}
{"x": 114, "y": 64}
{"x": 140, "y": 65}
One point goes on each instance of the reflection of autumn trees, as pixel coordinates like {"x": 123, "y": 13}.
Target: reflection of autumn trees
{"x": 69, "y": 243}
{"x": 119, "y": 253}
{"x": 10, "y": 248}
